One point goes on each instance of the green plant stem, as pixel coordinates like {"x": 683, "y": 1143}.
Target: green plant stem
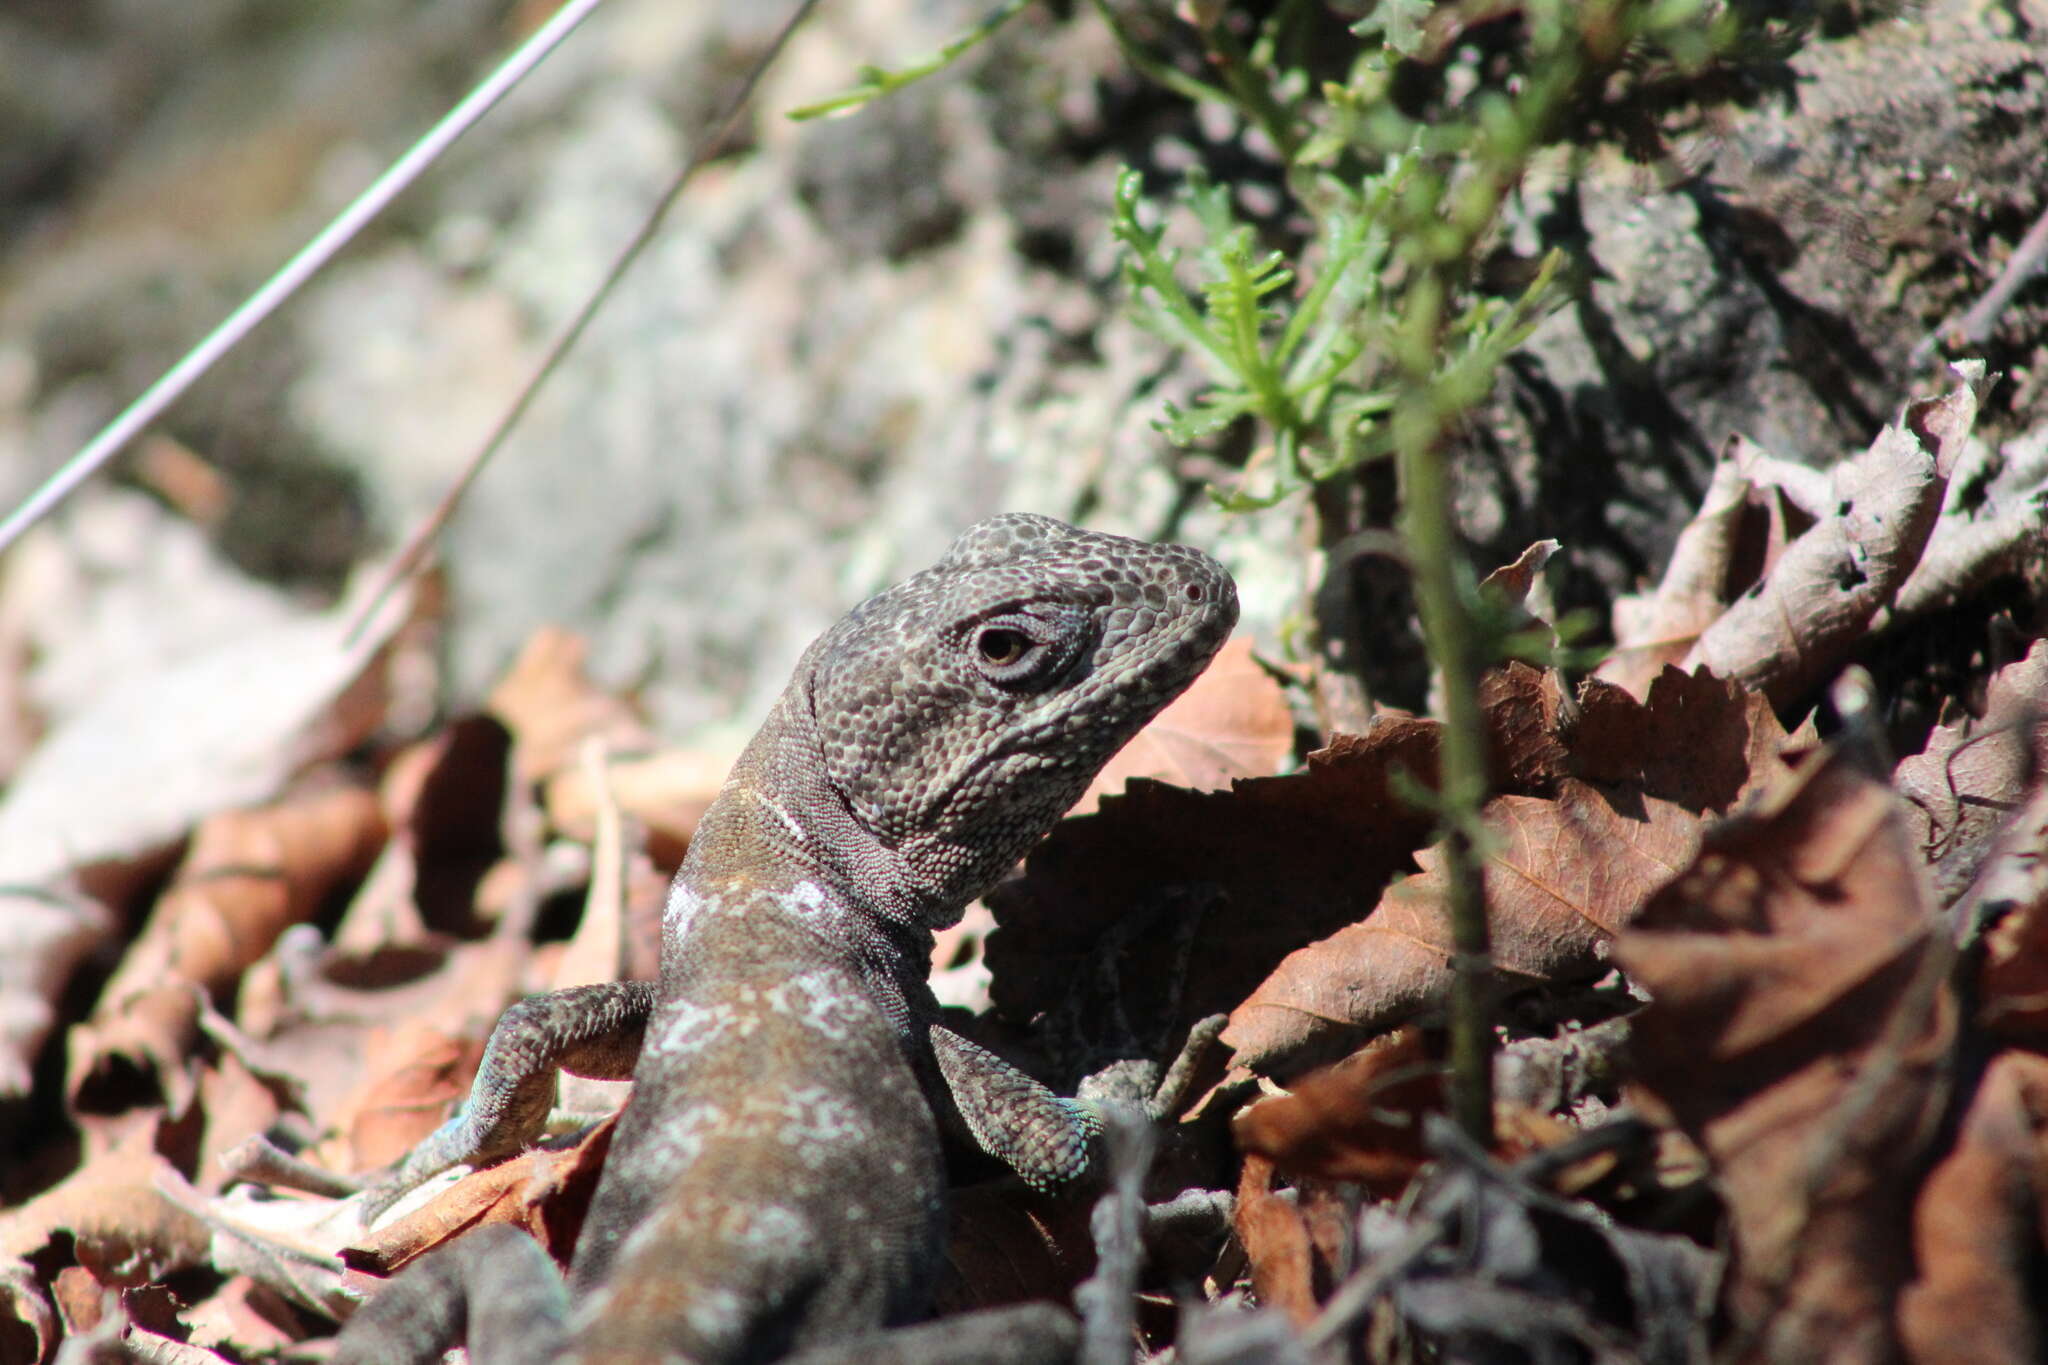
{"x": 1429, "y": 532}
{"x": 1154, "y": 70}
{"x": 1426, "y": 525}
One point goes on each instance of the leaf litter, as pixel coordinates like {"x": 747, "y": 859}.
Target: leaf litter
{"x": 1774, "y": 1083}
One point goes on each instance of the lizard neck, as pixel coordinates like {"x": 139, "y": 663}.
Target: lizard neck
{"x": 778, "y": 827}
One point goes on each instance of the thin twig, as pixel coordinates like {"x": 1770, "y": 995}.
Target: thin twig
{"x": 410, "y": 557}
{"x": 294, "y": 274}
{"x": 1974, "y": 327}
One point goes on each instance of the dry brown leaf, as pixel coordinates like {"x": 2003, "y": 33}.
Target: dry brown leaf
{"x": 28, "y": 1318}
{"x": 1653, "y": 630}
{"x": 1978, "y": 1229}
{"x": 1789, "y": 633}
{"x": 546, "y": 1191}
{"x": 1564, "y": 875}
{"x": 1277, "y": 862}
{"x": 226, "y": 729}
{"x": 668, "y": 792}
{"x": 1797, "y": 1031}
{"x": 44, "y": 935}
{"x": 1972, "y": 773}
{"x": 1232, "y": 723}
{"x": 1359, "y": 1119}
{"x": 417, "y": 1077}
{"x": 2012, "y": 975}
{"x": 247, "y": 876}
{"x": 1278, "y": 865}
{"x": 1280, "y": 1245}
{"x": 1005, "y": 1244}
{"x": 123, "y": 1226}
{"x": 443, "y": 800}
{"x": 548, "y": 702}
{"x": 1698, "y": 741}
{"x": 246, "y": 1318}
{"x": 108, "y": 795}
{"x": 1994, "y": 521}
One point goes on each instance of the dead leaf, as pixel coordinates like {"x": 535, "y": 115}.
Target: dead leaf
{"x": 2012, "y": 891}
{"x": 1278, "y": 861}
{"x": 246, "y": 877}
{"x": 444, "y": 801}
{"x": 1655, "y": 630}
{"x": 1359, "y": 1119}
{"x": 1797, "y": 1031}
{"x": 667, "y": 791}
{"x": 114, "y": 788}
{"x": 1563, "y": 876}
{"x": 123, "y": 1227}
{"x": 418, "y": 1075}
{"x": 28, "y": 1319}
{"x": 1006, "y": 1244}
{"x": 1232, "y": 723}
{"x": 1992, "y": 522}
{"x": 1790, "y": 632}
{"x": 141, "y": 764}
{"x": 44, "y": 935}
{"x": 1298, "y": 865}
{"x": 1978, "y": 1227}
{"x": 1973, "y": 773}
{"x": 246, "y": 1318}
{"x": 549, "y": 704}
{"x": 544, "y": 1190}
{"x": 1295, "y": 1247}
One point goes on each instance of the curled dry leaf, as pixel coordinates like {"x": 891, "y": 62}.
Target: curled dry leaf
{"x": 1736, "y": 536}
{"x": 1564, "y": 874}
{"x": 668, "y": 792}
{"x": 44, "y": 935}
{"x": 1798, "y": 1028}
{"x": 1277, "y": 861}
{"x": 1790, "y": 632}
{"x": 1994, "y": 520}
{"x": 1604, "y": 794}
{"x": 1232, "y": 723}
{"x": 1295, "y": 1246}
{"x": 112, "y": 790}
{"x": 1978, "y": 1228}
{"x": 247, "y": 877}
{"x": 1359, "y": 1119}
{"x": 2011, "y": 891}
{"x": 444, "y": 800}
{"x": 548, "y": 702}
{"x": 417, "y": 1076}
{"x": 544, "y": 1190}
{"x": 137, "y": 767}
{"x": 1972, "y": 773}
{"x": 123, "y": 1225}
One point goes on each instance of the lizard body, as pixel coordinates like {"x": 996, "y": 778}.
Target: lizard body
{"x": 775, "y": 1184}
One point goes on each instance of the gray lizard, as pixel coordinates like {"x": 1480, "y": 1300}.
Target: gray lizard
{"x": 775, "y": 1183}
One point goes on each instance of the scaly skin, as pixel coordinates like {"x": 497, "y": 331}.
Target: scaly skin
{"x": 775, "y": 1184}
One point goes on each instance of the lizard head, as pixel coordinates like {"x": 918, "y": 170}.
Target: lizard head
{"x": 962, "y": 712}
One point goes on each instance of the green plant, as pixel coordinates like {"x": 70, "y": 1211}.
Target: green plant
{"x": 1373, "y": 333}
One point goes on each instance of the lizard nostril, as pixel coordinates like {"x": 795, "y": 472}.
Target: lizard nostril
{"x": 1194, "y": 592}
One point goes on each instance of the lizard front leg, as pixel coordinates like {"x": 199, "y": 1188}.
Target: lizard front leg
{"x": 1047, "y": 1140}
{"x": 1043, "y": 1138}
{"x": 590, "y": 1031}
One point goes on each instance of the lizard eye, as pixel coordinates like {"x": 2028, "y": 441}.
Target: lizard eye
{"x": 1001, "y": 647}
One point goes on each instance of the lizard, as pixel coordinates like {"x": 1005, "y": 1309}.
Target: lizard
{"x": 776, "y": 1183}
